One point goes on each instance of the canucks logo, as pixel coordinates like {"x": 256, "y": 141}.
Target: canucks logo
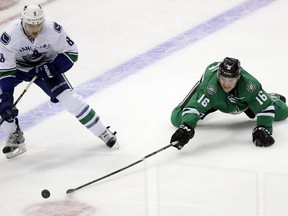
{"x": 212, "y": 89}
{"x": 5, "y": 38}
{"x": 34, "y": 58}
{"x": 57, "y": 27}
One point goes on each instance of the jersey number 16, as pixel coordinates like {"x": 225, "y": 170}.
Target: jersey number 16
{"x": 203, "y": 100}
{"x": 261, "y": 97}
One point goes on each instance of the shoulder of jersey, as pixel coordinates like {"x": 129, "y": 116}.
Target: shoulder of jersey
{"x": 213, "y": 67}
{"x": 11, "y": 32}
{"x": 211, "y": 71}
{"x": 209, "y": 82}
{"x": 53, "y": 26}
{"x": 252, "y": 85}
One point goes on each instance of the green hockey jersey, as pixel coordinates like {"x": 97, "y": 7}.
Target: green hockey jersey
{"x": 248, "y": 94}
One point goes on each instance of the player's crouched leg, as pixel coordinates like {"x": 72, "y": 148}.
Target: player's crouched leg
{"x": 281, "y": 110}
{"x": 87, "y": 116}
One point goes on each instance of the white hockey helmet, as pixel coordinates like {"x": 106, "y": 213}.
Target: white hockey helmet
{"x": 33, "y": 14}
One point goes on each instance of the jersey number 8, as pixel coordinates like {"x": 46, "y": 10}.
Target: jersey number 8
{"x": 69, "y": 41}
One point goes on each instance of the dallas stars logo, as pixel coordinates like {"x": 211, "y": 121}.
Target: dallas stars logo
{"x": 251, "y": 86}
{"x": 211, "y": 89}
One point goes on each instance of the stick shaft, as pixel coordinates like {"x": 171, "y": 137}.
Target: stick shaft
{"x": 25, "y": 90}
{"x": 119, "y": 170}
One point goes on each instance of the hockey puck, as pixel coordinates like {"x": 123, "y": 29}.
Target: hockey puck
{"x": 45, "y": 193}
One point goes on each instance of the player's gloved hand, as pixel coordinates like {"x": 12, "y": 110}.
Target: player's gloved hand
{"x": 44, "y": 71}
{"x": 262, "y": 137}
{"x": 7, "y": 111}
{"x": 182, "y": 136}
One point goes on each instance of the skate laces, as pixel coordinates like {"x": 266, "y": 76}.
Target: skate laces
{"x": 15, "y": 138}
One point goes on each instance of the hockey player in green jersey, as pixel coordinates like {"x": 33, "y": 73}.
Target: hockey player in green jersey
{"x": 227, "y": 87}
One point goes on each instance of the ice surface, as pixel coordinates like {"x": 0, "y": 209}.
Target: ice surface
{"x": 138, "y": 59}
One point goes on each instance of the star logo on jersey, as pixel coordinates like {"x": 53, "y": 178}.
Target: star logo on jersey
{"x": 251, "y": 86}
{"x": 212, "y": 89}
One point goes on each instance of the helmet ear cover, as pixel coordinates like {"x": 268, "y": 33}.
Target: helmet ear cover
{"x": 230, "y": 68}
{"x": 33, "y": 14}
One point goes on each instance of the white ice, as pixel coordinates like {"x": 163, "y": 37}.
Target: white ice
{"x": 220, "y": 172}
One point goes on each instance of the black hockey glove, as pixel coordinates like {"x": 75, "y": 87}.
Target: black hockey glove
{"x": 182, "y": 136}
{"x": 44, "y": 71}
{"x": 262, "y": 137}
{"x": 7, "y": 111}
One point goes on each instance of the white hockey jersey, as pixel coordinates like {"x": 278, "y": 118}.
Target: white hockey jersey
{"x": 17, "y": 51}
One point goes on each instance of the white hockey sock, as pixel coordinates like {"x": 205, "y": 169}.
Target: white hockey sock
{"x": 76, "y": 105}
{"x": 88, "y": 117}
{"x": 9, "y": 127}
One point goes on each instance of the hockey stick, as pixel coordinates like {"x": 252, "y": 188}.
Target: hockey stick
{"x": 117, "y": 171}
{"x": 25, "y": 90}
{"x": 21, "y": 95}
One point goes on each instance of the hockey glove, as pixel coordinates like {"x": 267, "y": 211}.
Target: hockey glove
{"x": 7, "y": 111}
{"x": 44, "y": 71}
{"x": 182, "y": 136}
{"x": 262, "y": 137}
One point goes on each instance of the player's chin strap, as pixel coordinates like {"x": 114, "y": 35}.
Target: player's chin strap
{"x": 21, "y": 95}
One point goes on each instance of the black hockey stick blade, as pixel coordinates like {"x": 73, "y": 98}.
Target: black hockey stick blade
{"x": 69, "y": 191}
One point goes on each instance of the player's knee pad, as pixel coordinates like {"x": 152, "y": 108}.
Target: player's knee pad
{"x": 71, "y": 101}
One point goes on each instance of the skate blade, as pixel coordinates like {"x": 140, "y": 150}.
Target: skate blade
{"x": 18, "y": 151}
{"x": 116, "y": 146}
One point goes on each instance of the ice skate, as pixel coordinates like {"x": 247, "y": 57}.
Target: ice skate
{"x": 277, "y": 96}
{"x": 109, "y": 138}
{"x": 14, "y": 144}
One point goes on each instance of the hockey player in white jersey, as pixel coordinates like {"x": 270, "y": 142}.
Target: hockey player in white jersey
{"x": 33, "y": 46}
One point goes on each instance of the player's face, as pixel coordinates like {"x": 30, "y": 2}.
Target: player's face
{"x": 33, "y": 30}
{"x": 227, "y": 83}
